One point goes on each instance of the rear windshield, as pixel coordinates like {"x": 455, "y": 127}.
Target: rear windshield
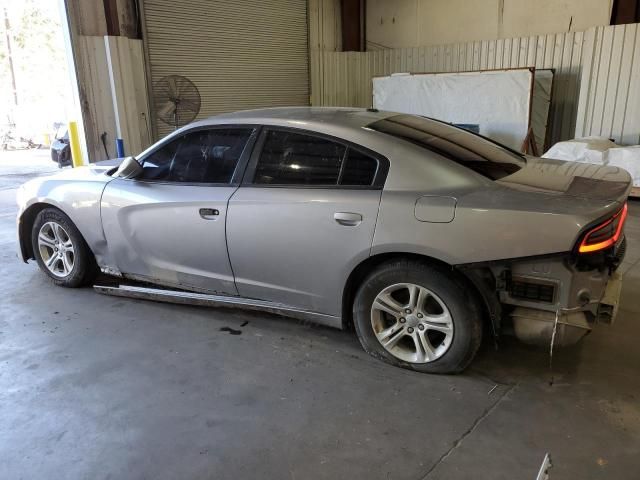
{"x": 471, "y": 150}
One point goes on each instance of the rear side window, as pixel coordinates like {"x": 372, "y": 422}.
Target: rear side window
{"x": 298, "y": 159}
{"x": 360, "y": 169}
{"x": 473, "y": 151}
{"x": 289, "y": 158}
{"x": 202, "y": 156}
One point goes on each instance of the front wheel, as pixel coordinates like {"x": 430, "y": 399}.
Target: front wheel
{"x": 64, "y": 157}
{"x": 60, "y": 250}
{"x": 418, "y": 316}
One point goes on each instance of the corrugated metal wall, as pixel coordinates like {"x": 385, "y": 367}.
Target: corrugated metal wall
{"x": 240, "y": 55}
{"x": 325, "y": 31}
{"x": 325, "y": 35}
{"x": 610, "y": 94}
{"x": 344, "y": 78}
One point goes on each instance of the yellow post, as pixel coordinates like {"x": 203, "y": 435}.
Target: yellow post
{"x": 74, "y": 142}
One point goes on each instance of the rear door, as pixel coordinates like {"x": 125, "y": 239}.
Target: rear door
{"x": 303, "y": 218}
{"x": 168, "y": 225}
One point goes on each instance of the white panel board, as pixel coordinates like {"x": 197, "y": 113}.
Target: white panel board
{"x": 498, "y": 101}
{"x": 330, "y": 83}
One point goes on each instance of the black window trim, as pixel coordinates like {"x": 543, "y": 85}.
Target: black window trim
{"x": 236, "y": 178}
{"x": 443, "y": 153}
{"x": 518, "y": 154}
{"x": 378, "y": 180}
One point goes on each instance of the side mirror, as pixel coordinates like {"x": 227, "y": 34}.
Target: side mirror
{"x": 129, "y": 168}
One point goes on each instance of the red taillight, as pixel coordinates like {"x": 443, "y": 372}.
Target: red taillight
{"x": 605, "y": 234}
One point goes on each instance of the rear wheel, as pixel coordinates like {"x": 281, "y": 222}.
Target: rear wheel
{"x": 418, "y": 316}
{"x": 60, "y": 250}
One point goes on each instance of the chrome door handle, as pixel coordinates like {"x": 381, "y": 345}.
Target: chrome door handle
{"x": 209, "y": 213}
{"x": 347, "y": 219}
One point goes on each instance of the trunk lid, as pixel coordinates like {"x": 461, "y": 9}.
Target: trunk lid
{"x": 583, "y": 192}
{"x": 558, "y": 178}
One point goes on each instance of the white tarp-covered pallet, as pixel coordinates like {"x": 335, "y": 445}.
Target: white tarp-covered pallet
{"x": 503, "y": 103}
{"x": 599, "y": 151}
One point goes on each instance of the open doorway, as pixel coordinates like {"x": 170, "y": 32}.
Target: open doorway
{"x": 36, "y": 93}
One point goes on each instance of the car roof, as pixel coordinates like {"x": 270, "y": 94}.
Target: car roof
{"x": 345, "y": 123}
{"x": 313, "y": 118}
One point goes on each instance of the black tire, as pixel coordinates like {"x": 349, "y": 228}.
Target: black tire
{"x": 64, "y": 157}
{"x": 84, "y": 269}
{"x": 465, "y": 314}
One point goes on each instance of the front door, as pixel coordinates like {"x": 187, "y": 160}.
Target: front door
{"x": 303, "y": 219}
{"x": 168, "y": 225}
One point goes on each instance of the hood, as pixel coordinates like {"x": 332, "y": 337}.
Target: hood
{"x": 570, "y": 179}
{"x": 114, "y": 162}
{"x": 94, "y": 173}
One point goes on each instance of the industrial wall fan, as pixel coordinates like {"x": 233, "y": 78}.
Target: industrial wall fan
{"x": 177, "y": 100}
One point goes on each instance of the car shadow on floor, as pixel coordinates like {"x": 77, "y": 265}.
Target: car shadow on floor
{"x": 503, "y": 361}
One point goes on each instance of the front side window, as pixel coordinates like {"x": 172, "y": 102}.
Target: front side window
{"x": 473, "y": 151}
{"x": 201, "y": 156}
{"x": 291, "y": 158}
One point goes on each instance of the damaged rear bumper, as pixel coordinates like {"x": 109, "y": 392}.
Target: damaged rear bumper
{"x": 536, "y": 326}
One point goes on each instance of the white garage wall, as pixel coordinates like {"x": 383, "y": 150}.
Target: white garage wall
{"x": 344, "y": 78}
{"x": 527, "y": 17}
{"x": 407, "y": 23}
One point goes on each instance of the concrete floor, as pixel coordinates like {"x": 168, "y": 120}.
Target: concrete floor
{"x": 100, "y": 387}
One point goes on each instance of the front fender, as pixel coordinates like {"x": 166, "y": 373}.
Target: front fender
{"x": 79, "y": 200}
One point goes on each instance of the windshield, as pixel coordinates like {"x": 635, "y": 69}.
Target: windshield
{"x": 478, "y": 153}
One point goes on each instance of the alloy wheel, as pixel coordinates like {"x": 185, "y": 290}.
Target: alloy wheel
{"x": 56, "y": 249}
{"x": 412, "y": 323}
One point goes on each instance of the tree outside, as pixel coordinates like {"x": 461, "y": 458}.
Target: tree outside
{"x": 33, "y": 47}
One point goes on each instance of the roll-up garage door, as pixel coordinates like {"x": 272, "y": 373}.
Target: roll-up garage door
{"x": 239, "y": 54}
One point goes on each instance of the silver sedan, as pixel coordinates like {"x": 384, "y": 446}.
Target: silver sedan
{"x": 420, "y": 235}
